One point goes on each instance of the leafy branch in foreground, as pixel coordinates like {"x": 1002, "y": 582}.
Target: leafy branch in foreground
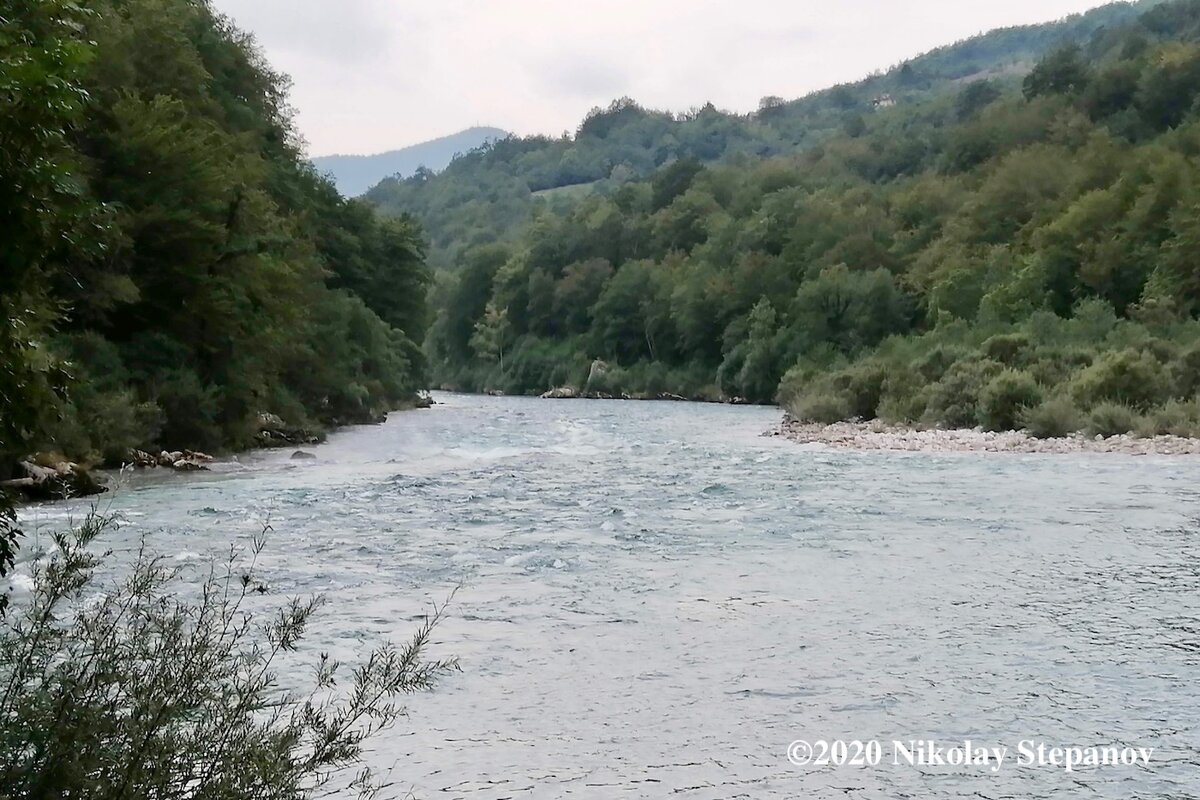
{"x": 138, "y": 693}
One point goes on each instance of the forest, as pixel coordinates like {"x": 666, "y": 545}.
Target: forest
{"x": 490, "y": 194}
{"x": 174, "y": 268}
{"x": 1013, "y": 251}
{"x": 1002, "y": 233}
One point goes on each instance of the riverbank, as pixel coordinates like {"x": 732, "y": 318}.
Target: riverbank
{"x": 571, "y": 393}
{"x": 878, "y": 436}
{"x": 52, "y": 476}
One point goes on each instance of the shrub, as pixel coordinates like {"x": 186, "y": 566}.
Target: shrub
{"x": 1175, "y": 418}
{"x": 934, "y": 364}
{"x": 611, "y": 380}
{"x": 1005, "y": 399}
{"x": 1129, "y": 377}
{"x": 820, "y": 406}
{"x": 1054, "y": 417}
{"x": 862, "y": 386}
{"x": 1112, "y": 419}
{"x": 1185, "y": 372}
{"x": 953, "y": 400}
{"x": 1007, "y": 348}
{"x": 1051, "y": 365}
{"x": 905, "y": 396}
{"x": 132, "y": 691}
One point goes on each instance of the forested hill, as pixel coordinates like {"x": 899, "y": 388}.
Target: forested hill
{"x": 353, "y": 175}
{"x": 1006, "y": 253}
{"x": 172, "y": 267}
{"x": 489, "y": 194}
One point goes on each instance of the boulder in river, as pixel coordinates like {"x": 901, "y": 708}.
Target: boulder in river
{"x": 274, "y": 432}
{"x": 140, "y": 459}
{"x": 57, "y": 481}
{"x": 184, "y": 460}
{"x": 301, "y": 455}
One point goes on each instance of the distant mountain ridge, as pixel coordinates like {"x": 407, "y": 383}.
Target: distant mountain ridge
{"x": 491, "y": 194}
{"x": 355, "y": 174}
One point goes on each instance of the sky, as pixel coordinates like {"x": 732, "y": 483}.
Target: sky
{"x": 376, "y": 75}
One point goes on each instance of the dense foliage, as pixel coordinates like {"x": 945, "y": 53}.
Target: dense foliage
{"x": 1009, "y": 254}
{"x": 173, "y": 267}
{"x": 489, "y": 195}
{"x": 40, "y": 61}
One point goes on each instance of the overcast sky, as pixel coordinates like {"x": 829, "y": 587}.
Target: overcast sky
{"x": 374, "y": 75}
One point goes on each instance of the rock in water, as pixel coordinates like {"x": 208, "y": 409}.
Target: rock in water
{"x": 269, "y": 422}
{"x": 140, "y": 459}
{"x": 561, "y": 393}
{"x": 274, "y": 432}
{"x": 167, "y": 458}
{"x": 61, "y": 480}
{"x": 300, "y": 455}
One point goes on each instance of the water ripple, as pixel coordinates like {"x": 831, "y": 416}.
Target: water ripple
{"x": 656, "y": 600}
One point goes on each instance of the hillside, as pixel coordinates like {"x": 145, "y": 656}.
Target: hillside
{"x": 353, "y": 175}
{"x": 176, "y": 271}
{"x": 488, "y": 195}
{"x": 1009, "y": 253}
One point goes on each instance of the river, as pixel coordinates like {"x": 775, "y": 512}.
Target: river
{"x": 656, "y": 599}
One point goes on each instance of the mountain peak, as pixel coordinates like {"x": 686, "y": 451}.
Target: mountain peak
{"x": 354, "y": 174}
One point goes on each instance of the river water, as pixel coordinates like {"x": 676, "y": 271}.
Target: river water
{"x": 656, "y": 599}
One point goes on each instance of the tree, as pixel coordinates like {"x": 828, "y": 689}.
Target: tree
{"x": 849, "y": 309}
{"x": 974, "y": 98}
{"x": 41, "y": 57}
{"x": 576, "y": 294}
{"x": 491, "y": 335}
{"x": 1061, "y": 72}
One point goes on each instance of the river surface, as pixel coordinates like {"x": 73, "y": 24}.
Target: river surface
{"x": 656, "y": 599}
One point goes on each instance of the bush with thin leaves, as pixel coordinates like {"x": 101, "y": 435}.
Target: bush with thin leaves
{"x": 1174, "y": 418}
{"x": 1005, "y": 398}
{"x": 1054, "y": 417}
{"x": 1112, "y": 419}
{"x": 821, "y": 407}
{"x": 143, "y": 694}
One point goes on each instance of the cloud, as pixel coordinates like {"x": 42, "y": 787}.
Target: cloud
{"x": 570, "y": 74}
{"x": 317, "y": 29}
{"x": 372, "y": 75}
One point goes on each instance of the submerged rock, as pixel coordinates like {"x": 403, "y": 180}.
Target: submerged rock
{"x": 300, "y": 455}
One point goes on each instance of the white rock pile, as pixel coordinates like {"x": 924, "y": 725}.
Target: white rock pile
{"x": 878, "y": 436}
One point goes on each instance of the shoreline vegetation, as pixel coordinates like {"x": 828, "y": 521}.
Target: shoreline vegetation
{"x": 112, "y": 686}
{"x": 943, "y": 245}
{"x": 179, "y": 277}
